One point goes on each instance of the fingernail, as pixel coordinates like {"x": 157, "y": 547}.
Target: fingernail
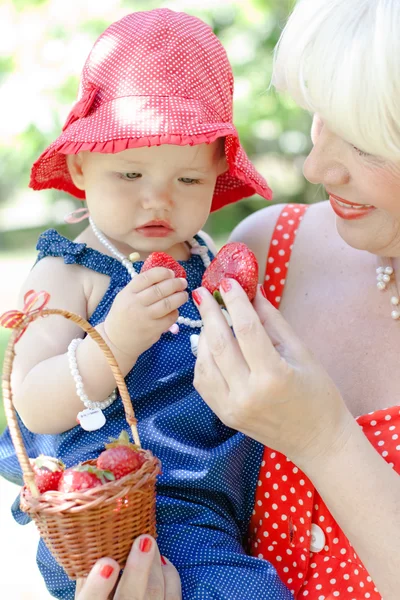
{"x": 196, "y": 295}
{"x": 163, "y": 561}
{"x": 145, "y": 544}
{"x": 106, "y": 571}
{"x": 226, "y": 285}
{"x": 184, "y": 282}
{"x": 172, "y": 272}
{"x": 263, "y": 291}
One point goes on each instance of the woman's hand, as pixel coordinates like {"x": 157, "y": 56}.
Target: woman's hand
{"x": 146, "y": 576}
{"x": 264, "y": 382}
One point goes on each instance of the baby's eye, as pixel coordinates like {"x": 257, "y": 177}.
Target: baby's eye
{"x": 189, "y": 180}
{"x": 360, "y": 152}
{"x": 131, "y": 175}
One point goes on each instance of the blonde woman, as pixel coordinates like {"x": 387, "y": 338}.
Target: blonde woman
{"x": 327, "y": 507}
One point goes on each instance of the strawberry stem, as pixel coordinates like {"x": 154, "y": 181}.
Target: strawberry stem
{"x": 123, "y": 440}
{"x": 218, "y": 297}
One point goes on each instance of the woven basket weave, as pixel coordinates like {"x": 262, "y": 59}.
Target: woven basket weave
{"x": 81, "y": 527}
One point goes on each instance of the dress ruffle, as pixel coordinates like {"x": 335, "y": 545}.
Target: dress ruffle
{"x": 53, "y": 244}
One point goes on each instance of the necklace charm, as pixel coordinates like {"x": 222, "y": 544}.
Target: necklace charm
{"x": 194, "y": 343}
{"x": 174, "y": 328}
{"x": 91, "y": 419}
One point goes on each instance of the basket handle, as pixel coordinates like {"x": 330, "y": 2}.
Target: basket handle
{"x": 11, "y": 415}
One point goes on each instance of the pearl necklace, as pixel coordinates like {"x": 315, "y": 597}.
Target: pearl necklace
{"x": 196, "y": 248}
{"x": 386, "y": 280}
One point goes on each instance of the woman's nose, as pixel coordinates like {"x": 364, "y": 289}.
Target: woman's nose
{"x": 326, "y": 162}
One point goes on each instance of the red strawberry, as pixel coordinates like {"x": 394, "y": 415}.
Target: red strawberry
{"x": 121, "y": 457}
{"x": 48, "y": 471}
{"x": 161, "y": 259}
{"x": 83, "y": 477}
{"x": 235, "y": 261}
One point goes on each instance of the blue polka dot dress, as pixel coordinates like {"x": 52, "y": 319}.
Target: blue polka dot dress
{"x": 205, "y": 494}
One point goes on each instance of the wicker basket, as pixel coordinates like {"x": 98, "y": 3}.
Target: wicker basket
{"x": 79, "y": 528}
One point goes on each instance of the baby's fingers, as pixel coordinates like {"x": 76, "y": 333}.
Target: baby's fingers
{"x": 168, "y": 305}
{"x": 163, "y": 289}
{"x": 142, "y": 281}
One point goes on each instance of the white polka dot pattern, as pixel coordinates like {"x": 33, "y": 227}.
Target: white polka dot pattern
{"x": 280, "y": 249}
{"x": 289, "y": 515}
{"x": 156, "y": 77}
{"x": 203, "y": 507}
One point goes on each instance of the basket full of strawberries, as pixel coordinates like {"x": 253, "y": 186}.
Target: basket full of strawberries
{"x": 96, "y": 508}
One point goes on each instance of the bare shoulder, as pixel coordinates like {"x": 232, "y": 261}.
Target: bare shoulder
{"x": 320, "y": 213}
{"x": 256, "y": 232}
{"x": 50, "y": 336}
{"x": 64, "y": 282}
{"x": 317, "y": 230}
{"x": 318, "y": 224}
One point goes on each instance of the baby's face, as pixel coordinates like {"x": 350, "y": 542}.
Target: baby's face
{"x": 169, "y": 186}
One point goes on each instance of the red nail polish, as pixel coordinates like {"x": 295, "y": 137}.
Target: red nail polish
{"x": 263, "y": 291}
{"x": 107, "y": 571}
{"x": 145, "y": 544}
{"x": 163, "y": 561}
{"x": 226, "y": 285}
{"x": 197, "y": 297}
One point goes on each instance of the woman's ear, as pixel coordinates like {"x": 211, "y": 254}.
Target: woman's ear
{"x": 75, "y": 168}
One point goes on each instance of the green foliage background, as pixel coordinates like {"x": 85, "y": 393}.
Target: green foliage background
{"x": 43, "y": 45}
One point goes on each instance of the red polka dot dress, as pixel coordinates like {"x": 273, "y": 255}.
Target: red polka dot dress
{"x": 291, "y": 527}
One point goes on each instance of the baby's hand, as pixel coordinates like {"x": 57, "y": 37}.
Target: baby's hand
{"x": 144, "y": 309}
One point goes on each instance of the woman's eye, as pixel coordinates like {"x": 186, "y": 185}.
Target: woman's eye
{"x": 360, "y": 152}
{"x": 188, "y": 180}
{"x": 130, "y": 175}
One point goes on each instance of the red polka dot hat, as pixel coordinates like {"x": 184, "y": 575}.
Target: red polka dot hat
{"x": 156, "y": 77}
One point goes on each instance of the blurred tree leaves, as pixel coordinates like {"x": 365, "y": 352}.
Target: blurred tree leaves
{"x": 44, "y": 43}
{"x": 24, "y": 4}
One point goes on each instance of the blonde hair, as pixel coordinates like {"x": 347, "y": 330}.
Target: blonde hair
{"x": 341, "y": 59}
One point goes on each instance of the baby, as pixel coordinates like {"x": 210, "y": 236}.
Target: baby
{"x": 150, "y": 146}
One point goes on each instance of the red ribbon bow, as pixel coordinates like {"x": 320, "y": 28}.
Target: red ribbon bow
{"x": 83, "y": 106}
{"x": 34, "y": 302}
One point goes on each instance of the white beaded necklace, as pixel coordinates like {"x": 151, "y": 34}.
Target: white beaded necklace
{"x": 386, "y": 280}
{"x": 196, "y": 248}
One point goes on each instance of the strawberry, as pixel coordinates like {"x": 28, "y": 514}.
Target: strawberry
{"x": 120, "y": 457}
{"x": 83, "y": 477}
{"x": 48, "y": 471}
{"x": 235, "y": 261}
{"x": 161, "y": 259}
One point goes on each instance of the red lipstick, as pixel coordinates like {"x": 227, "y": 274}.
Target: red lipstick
{"x": 349, "y": 211}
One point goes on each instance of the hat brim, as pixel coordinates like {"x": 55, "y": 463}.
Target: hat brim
{"x": 134, "y": 122}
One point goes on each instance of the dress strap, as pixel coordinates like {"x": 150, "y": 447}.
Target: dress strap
{"x": 52, "y": 243}
{"x": 280, "y": 250}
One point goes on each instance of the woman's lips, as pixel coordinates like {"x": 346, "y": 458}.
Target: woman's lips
{"x": 348, "y": 211}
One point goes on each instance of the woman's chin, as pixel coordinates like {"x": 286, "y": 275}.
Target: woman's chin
{"x": 358, "y": 234}
{"x": 363, "y": 234}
